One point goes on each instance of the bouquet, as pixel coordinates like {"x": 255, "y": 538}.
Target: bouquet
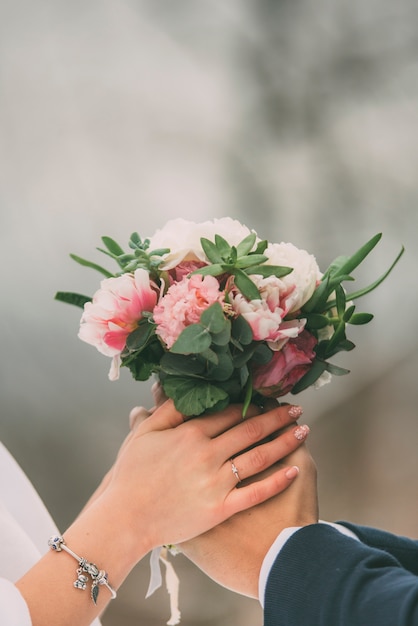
{"x": 221, "y": 316}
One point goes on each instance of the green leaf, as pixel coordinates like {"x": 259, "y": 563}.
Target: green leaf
{"x": 213, "y": 318}
{"x": 246, "y": 245}
{"x": 262, "y": 354}
{"x": 211, "y": 251}
{"x": 315, "y": 321}
{"x": 376, "y": 283}
{"x": 180, "y": 364}
{"x": 113, "y": 247}
{"x": 209, "y": 355}
{"x": 241, "y": 331}
{"x": 193, "y": 397}
{"x": 223, "y": 370}
{"x": 310, "y": 377}
{"x": 261, "y": 247}
{"x": 224, "y": 337}
{"x": 340, "y": 299}
{"x": 192, "y": 340}
{"x": 93, "y": 266}
{"x": 270, "y": 270}
{"x": 248, "y": 395}
{"x": 354, "y": 261}
{"x": 246, "y": 285}
{"x": 139, "y": 337}
{"x": 250, "y": 260}
{"x": 319, "y": 297}
{"x": 210, "y": 270}
{"x": 339, "y": 335}
{"x": 223, "y": 247}
{"x": 243, "y": 356}
{"x": 335, "y": 370}
{"x": 359, "y": 319}
{"x": 348, "y": 313}
{"x": 76, "y": 299}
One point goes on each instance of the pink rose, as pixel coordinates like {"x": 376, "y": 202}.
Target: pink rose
{"x": 287, "y": 366}
{"x": 183, "y": 304}
{"x": 183, "y": 269}
{"x": 115, "y": 311}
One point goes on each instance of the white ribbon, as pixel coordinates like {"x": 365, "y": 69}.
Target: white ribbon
{"x": 171, "y": 580}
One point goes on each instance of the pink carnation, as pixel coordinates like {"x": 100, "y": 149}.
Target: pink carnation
{"x": 115, "y": 311}
{"x": 266, "y": 315}
{"x": 183, "y": 304}
{"x": 286, "y": 367}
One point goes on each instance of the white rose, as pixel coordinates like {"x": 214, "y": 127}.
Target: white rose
{"x": 182, "y": 237}
{"x": 305, "y": 274}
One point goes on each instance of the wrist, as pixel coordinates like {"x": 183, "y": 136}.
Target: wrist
{"x": 106, "y": 534}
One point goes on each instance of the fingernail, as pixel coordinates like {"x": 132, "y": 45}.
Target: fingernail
{"x": 295, "y": 411}
{"x": 301, "y": 432}
{"x": 292, "y": 472}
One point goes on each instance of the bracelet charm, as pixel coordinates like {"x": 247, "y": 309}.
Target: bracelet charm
{"x": 98, "y": 577}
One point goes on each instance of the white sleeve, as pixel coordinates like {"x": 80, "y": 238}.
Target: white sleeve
{"x": 13, "y": 608}
{"x": 274, "y": 550}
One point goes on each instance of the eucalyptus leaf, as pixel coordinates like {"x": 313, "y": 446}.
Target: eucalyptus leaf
{"x": 213, "y": 318}
{"x": 139, "y": 337}
{"x": 192, "y": 340}
{"x": 223, "y": 370}
{"x": 262, "y": 354}
{"x": 180, "y": 364}
{"x": 224, "y": 337}
{"x": 241, "y": 331}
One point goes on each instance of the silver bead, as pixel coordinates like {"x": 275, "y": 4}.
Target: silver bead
{"x": 55, "y": 542}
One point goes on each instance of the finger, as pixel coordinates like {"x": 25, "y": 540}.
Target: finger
{"x": 217, "y": 423}
{"x": 138, "y": 415}
{"x": 260, "y": 491}
{"x": 253, "y": 430}
{"x": 267, "y": 454}
{"x": 164, "y": 417}
{"x": 158, "y": 393}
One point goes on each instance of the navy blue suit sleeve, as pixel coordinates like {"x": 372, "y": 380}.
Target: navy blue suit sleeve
{"x": 323, "y": 578}
{"x": 405, "y": 550}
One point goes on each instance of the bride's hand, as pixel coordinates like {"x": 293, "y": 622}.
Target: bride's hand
{"x": 232, "y": 553}
{"x": 174, "y": 480}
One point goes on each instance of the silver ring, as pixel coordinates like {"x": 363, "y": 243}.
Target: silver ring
{"x": 235, "y": 471}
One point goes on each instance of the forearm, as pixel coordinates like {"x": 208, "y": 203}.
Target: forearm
{"x": 100, "y": 535}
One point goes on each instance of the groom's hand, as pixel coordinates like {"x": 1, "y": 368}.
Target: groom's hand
{"x": 233, "y": 552}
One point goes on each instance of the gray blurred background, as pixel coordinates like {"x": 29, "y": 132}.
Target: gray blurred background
{"x": 299, "y": 119}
